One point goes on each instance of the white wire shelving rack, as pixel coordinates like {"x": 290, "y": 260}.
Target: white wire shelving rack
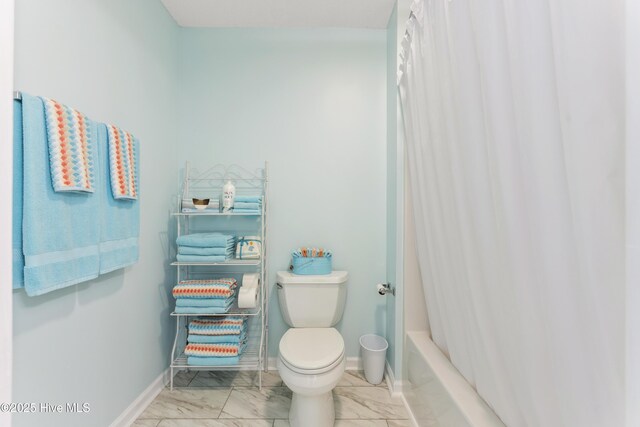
{"x": 208, "y": 184}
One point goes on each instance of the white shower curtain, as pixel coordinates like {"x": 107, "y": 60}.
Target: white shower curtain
{"x": 514, "y": 120}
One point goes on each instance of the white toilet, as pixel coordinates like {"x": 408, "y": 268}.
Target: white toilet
{"x": 311, "y": 354}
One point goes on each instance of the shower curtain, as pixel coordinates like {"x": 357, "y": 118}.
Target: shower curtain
{"x": 514, "y": 121}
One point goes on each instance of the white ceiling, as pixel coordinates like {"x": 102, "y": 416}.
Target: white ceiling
{"x": 281, "y": 13}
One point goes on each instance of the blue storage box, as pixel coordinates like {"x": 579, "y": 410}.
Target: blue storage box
{"x": 311, "y": 266}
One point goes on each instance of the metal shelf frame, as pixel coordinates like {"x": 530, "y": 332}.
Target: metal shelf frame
{"x": 209, "y": 184}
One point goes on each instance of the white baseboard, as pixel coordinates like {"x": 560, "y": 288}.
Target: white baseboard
{"x": 390, "y": 379}
{"x": 354, "y": 364}
{"x": 396, "y": 386}
{"x": 272, "y": 363}
{"x": 133, "y": 411}
{"x": 412, "y": 418}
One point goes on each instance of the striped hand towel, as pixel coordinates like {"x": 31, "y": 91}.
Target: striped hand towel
{"x": 70, "y": 139}
{"x": 214, "y": 288}
{"x": 215, "y": 339}
{"x": 229, "y": 325}
{"x": 122, "y": 164}
{"x": 214, "y": 350}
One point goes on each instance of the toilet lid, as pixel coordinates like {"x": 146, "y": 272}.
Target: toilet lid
{"x": 311, "y": 348}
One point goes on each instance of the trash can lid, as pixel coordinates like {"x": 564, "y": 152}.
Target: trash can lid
{"x": 375, "y": 343}
{"x": 311, "y": 348}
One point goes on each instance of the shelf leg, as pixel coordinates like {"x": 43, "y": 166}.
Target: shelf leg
{"x": 173, "y": 350}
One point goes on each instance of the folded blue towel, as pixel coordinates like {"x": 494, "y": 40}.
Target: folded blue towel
{"x": 18, "y": 257}
{"x": 248, "y": 199}
{"x": 119, "y": 218}
{"x": 215, "y": 339}
{"x": 248, "y": 211}
{"x": 204, "y": 302}
{"x": 193, "y": 250}
{"x": 60, "y": 233}
{"x": 201, "y": 258}
{"x": 202, "y": 310}
{"x": 246, "y": 205}
{"x": 213, "y": 361}
{"x": 206, "y": 240}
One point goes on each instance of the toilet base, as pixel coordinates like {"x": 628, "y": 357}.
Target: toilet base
{"x": 312, "y": 411}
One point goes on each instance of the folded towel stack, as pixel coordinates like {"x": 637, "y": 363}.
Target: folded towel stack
{"x": 216, "y": 342}
{"x": 248, "y": 204}
{"x": 205, "y": 247}
{"x": 213, "y": 296}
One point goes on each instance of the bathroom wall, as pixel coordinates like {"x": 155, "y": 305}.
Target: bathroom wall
{"x": 410, "y": 305}
{"x": 398, "y": 228}
{"x": 312, "y": 103}
{"x": 392, "y": 194}
{"x": 102, "y": 342}
{"x": 6, "y": 179}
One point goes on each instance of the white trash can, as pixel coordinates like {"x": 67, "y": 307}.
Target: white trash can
{"x": 374, "y": 350}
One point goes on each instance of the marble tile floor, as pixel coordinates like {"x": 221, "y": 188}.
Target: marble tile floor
{"x": 232, "y": 399}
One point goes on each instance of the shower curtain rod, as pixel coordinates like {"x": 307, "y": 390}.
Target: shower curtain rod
{"x": 17, "y": 95}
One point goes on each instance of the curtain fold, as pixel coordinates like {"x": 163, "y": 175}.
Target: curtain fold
{"x": 513, "y": 117}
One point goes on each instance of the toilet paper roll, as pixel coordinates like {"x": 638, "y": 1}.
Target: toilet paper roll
{"x": 248, "y": 294}
{"x": 250, "y": 280}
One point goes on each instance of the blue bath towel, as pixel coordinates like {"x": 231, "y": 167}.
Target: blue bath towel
{"x": 215, "y": 339}
{"x": 119, "y": 219}
{"x": 60, "y": 233}
{"x": 201, "y": 258}
{"x": 204, "y": 302}
{"x": 248, "y": 211}
{"x": 18, "y": 257}
{"x": 213, "y": 361}
{"x": 202, "y": 310}
{"x": 193, "y": 250}
{"x": 206, "y": 240}
{"x": 246, "y": 205}
{"x": 248, "y": 199}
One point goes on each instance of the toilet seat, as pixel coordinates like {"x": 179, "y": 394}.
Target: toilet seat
{"x": 311, "y": 351}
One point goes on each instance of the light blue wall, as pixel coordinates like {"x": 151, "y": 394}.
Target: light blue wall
{"x": 312, "y": 103}
{"x": 102, "y": 342}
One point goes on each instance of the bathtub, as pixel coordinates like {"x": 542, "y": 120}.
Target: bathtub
{"x": 436, "y": 394}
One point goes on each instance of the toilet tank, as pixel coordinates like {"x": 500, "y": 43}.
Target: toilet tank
{"x": 312, "y": 301}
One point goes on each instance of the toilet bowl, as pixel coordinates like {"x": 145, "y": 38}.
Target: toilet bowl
{"x": 311, "y": 362}
{"x": 311, "y": 357}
